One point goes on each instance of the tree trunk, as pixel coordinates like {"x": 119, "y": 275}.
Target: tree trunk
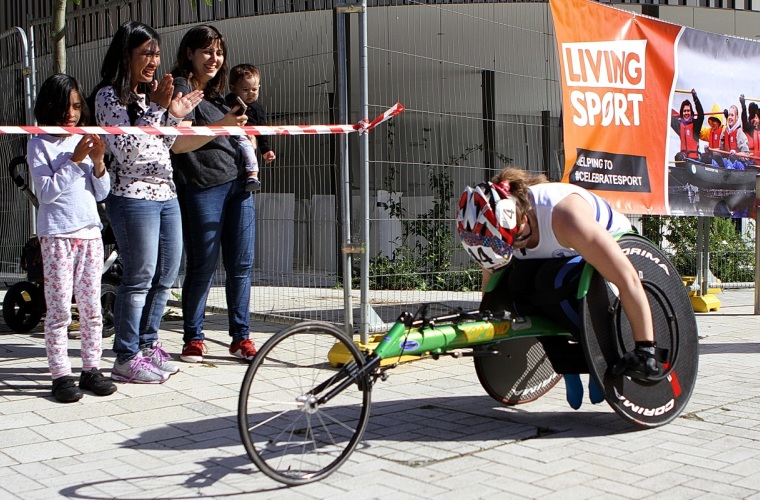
{"x": 58, "y": 35}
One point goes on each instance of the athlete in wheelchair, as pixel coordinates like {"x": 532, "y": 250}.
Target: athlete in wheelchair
{"x": 616, "y": 309}
{"x": 552, "y": 230}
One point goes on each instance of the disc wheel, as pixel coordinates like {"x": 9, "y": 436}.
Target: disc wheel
{"x": 291, "y": 435}
{"x": 23, "y": 306}
{"x": 607, "y": 337}
{"x": 520, "y": 372}
{"x": 108, "y": 289}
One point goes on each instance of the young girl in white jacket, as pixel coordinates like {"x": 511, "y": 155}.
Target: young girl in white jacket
{"x": 69, "y": 178}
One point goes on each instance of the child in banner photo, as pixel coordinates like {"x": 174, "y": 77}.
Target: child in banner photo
{"x": 715, "y": 131}
{"x": 687, "y": 124}
{"x": 70, "y": 177}
{"x": 751, "y": 125}
{"x": 733, "y": 140}
{"x": 245, "y": 83}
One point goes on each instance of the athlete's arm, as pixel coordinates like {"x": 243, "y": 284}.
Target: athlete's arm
{"x": 575, "y": 226}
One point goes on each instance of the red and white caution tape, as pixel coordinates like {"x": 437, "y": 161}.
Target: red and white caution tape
{"x": 387, "y": 115}
{"x": 363, "y": 127}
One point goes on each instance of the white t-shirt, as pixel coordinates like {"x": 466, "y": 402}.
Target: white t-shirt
{"x": 544, "y": 197}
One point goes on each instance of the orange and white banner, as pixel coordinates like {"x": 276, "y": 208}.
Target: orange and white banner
{"x": 639, "y": 98}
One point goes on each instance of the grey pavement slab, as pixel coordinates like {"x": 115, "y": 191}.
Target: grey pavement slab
{"x": 433, "y": 431}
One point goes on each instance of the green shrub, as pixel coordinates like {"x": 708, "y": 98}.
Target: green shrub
{"x": 732, "y": 257}
{"x": 426, "y": 264}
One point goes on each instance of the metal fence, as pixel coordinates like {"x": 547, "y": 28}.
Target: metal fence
{"x": 15, "y": 221}
{"x": 480, "y": 85}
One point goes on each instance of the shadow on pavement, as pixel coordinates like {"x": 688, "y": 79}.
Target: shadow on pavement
{"x": 474, "y": 418}
{"x": 729, "y": 348}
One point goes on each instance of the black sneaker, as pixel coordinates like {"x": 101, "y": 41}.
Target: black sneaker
{"x": 95, "y": 382}
{"x": 252, "y": 184}
{"x": 639, "y": 364}
{"x": 65, "y": 389}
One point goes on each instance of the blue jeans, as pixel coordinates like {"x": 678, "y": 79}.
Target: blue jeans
{"x": 217, "y": 218}
{"x": 149, "y": 237}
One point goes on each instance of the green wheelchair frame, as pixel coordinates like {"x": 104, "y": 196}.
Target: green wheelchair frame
{"x": 300, "y": 418}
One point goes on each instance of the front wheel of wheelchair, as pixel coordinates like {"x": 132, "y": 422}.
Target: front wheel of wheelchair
{"x": 607, "y": 336}
{"x": 23, "y": 306}
{"x": 287, "y": 432}
{"x": 519, "y": 373}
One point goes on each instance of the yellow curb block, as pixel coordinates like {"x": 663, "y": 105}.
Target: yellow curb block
{"x": 704, "y": 303}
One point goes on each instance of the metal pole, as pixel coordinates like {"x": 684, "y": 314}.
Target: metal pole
{"x": 700, "y": 256}
{"x": 757, "y": 246}
{"x": 27, "y": 72}
{"x": 488, "y": 97}
{"x": 28, "y": 75}
{"x": 546, "y": 140}
{"x": 705, "y": 221}
{"x": 364, "y": 162}
{"x": 343, "y": 161}
{"x": 30, "y": 108}
{"x": 31, "y": 91}
{"x": 32, "y": 71}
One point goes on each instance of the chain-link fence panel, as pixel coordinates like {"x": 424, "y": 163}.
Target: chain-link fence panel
{"x": 297, "y": 271}
{"x": 480, "y": 85}
{"x": 15, "y": 210}
{"x": 481, "y": 92}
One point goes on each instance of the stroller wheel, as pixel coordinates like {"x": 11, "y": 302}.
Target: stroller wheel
{"x": 108, "y": 290}
{"x": 23, "y": 306}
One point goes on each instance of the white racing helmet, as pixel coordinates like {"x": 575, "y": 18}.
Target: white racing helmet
{"x": 487, "y": 223}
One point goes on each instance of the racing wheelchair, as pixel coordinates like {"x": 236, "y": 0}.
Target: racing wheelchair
{"x": 300, "y": 417}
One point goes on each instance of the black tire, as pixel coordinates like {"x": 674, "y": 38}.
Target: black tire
{"x": 520, "y": 373}
{"x": 108, "y": 290}
{"x": 607, "y": 336}
{"x": 288, "y": 435}
{"x": 23, "y": 306}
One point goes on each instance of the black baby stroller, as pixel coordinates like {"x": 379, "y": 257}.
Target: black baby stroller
{"x": 24, "y": 302}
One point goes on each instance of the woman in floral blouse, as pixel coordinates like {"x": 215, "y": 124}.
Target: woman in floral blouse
{"x": 142, "y": 206}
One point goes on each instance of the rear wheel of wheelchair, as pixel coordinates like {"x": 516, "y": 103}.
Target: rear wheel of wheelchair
{"x": 23, "y": 306}
{"x": 516, "y": 371}
{"x": 108, "y": 289}
{"x": 607, "y": 337}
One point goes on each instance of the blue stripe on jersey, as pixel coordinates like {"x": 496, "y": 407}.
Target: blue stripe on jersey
{"x": 598, "y": 210}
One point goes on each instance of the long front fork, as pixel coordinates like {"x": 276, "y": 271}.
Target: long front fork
{"x": 350, "y": 374}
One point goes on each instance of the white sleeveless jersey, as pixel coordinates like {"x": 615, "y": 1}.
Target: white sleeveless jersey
{"x": 545, "y": 197}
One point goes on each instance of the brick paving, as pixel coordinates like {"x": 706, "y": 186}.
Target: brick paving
{"x": 433, "y": 432}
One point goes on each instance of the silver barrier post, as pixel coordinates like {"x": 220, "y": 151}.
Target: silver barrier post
{"x": 757, "y": 247}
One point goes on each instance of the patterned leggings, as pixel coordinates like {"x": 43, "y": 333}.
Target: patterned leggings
{"x": 72, "y": 264}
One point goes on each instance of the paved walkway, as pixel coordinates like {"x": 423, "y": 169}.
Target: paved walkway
{"x": 433, "y": 432}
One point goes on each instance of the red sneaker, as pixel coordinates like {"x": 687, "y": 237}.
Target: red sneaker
{"x": 243, "y": 349}
{"x": 193, "y": 351}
